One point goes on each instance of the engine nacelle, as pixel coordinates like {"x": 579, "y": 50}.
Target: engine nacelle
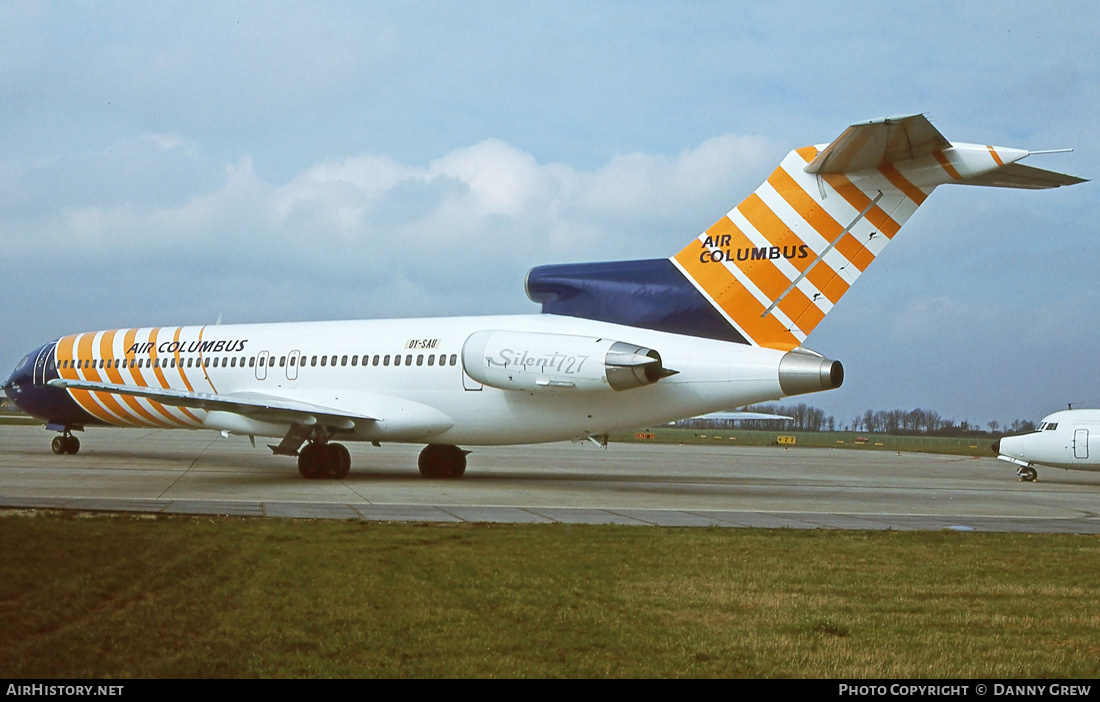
{"x": 534, "y": 361}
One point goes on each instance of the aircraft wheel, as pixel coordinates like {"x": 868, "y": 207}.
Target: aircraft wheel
{"x": 59, "y": 445}
{"x": 442, "y": 461}
{"x": 72, "y": 445}
{"x": 1029, "y": 475}
{"x": 339, "y": 461}
{"x": 310, "y": 461}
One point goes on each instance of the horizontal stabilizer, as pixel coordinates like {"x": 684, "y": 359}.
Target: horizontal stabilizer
{"x": 1017, "y": 175}
{"x": 879, "y": 143}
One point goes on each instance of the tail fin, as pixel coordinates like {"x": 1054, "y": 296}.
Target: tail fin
{"x": 778, "y": 262}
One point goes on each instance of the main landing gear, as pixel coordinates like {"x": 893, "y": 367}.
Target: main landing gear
{"x": 1028, "y": 475}
{"x": 321, "y": 459}
{"x": 66, "y": 443}
{"x": 442, "y": 461}
{"x": 324, "y": 460}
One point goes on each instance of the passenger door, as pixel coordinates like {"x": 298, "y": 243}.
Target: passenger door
{"x": 1081, "y": 443}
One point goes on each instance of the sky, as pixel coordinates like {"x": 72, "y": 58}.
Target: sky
{"x": 172, "y": 163}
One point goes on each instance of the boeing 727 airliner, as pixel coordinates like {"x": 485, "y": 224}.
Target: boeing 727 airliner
{"x": 618, "y": 345}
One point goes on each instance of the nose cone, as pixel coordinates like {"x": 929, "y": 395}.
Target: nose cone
{"x": 20, "y": 377}
{"x": 996, "y": 446}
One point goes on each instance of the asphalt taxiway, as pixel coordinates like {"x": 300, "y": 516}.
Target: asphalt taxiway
{"x": 184, "y": 472}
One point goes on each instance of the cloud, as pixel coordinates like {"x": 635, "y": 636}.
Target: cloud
{"x": 371, "y": 235}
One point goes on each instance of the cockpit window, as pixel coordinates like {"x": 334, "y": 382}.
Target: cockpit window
{"x": 1052, "y": 426}
{"x": 22, "y": 362}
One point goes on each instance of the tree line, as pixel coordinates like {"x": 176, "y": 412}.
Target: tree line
{"x": 916, "y": 422}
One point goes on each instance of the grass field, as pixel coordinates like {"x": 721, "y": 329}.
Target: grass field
{"x": 94, "y": 596}
{"x": 860, "y": 441}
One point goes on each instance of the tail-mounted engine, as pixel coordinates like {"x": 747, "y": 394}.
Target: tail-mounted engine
{"x": 533, "y": 361}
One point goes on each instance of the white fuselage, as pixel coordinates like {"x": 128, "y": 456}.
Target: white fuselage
{"x": 351, "y": 367}
{"x": 1068, "y": 439}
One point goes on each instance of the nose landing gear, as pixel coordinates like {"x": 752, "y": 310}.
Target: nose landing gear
{"x": 1028, "y": 475}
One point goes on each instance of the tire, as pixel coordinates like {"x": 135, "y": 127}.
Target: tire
{"x": 310, "y": 462}
{"x": 441, "y": 461}
{"x": 339, "y": 461}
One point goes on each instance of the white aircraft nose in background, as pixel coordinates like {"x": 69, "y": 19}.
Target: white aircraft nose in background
{"x": 1068, "y": 439}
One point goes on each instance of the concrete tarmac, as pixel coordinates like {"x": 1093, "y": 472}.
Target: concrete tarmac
{"x": 185, "y": 472}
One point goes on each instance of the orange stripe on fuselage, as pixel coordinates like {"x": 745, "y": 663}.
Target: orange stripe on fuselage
{"x": 128, "y": 343}
{"x": 64, "y": 352}
{"x": 179, "y": 361}
{"x": 160, "y": 377}
{"x": 137, "y": 412}
{"x": 205, "y": 372}
{"x": 84, "y": 397}
{"x": 728, "y": 292}
{"x": 107, "y": 353}
{"x": 996, "y": 156}
{"x": 179, "y": 367}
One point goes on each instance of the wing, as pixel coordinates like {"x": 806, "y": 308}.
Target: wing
{"x": 264, "y": 408}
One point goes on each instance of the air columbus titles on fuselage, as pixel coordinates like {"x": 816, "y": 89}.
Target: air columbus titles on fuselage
{"x": 713, "y": 251}
{"x": 221, "y": 346}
